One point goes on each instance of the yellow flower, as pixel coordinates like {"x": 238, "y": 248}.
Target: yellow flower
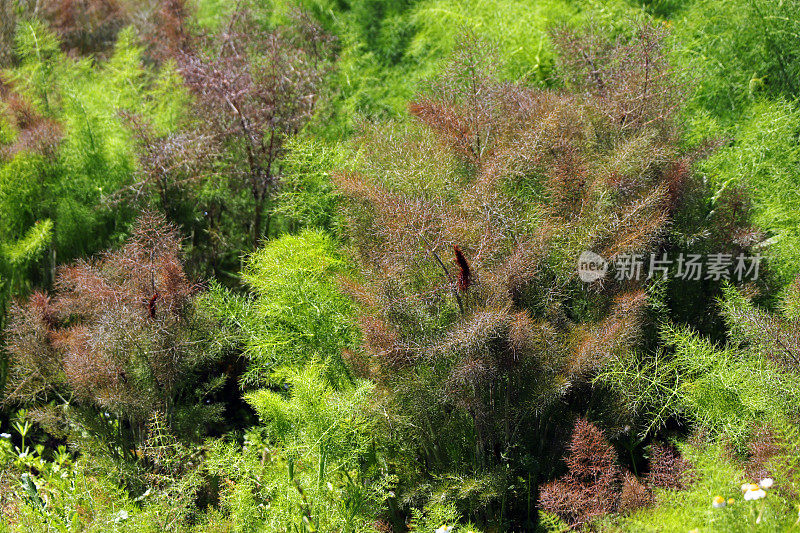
{"x": 731, "y": 501}
{"x": 718, "y": 503}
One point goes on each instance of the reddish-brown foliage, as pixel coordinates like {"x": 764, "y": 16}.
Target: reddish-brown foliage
{"x": 668, "y": 469}
{"x": 118, "y": 334}
{"x": 591, "y": 488}
{"x": 90, "y": 27}
{"x": 764, "y": 447}
{"x": 85, "y": 26}
{"x": 166, "y": 31}
{"x": 169, "y": 165}
{"x": 634, "y": 494}
{"x": 515, "y": 182}
{"x": 383, "y": 526}
{"x": 621, "y": 328}
{"x": 471, "y": 113}
{"x": 773, "y": 335}
{"x": 254, "y": 90}
{"x": 35, "y": 132}
{"x": 32, "y": 347}
{"x": 591, "y": 459}
{"x": 631, "y": 82}
{"x": 382, "y": 341}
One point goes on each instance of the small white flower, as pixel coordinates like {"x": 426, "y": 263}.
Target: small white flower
{"x": 5, "y": 435}
{"x": 749, "y": 486}
{"x": 121, "y": 516}
{"x": 765, "y": 483}
{"x": 445, "y": 529}
{"x": 718, "y": 502}
{"x": 752, "y": 495}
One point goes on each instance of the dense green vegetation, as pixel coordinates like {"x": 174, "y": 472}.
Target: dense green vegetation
{"x": 313, "y": 265}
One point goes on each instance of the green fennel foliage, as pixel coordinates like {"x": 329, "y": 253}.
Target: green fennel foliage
{"x": 735, "y": 50}
{"x": 16, "y": 258}
{"x": 307, "y": 198}
{"x": 765, "y": 158}
{"x": 725, "y": 389}
{"x": 298, "y": 314}
{"x": 67, "y": 150}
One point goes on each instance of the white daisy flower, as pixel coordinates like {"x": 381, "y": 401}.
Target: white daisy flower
{"x": 749, "y": 486}
{"x": 718, "y": 502}
{"x": 752, "y": 495}
{"x": 766, "y": 483}
{"x": 445, "y": 529}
